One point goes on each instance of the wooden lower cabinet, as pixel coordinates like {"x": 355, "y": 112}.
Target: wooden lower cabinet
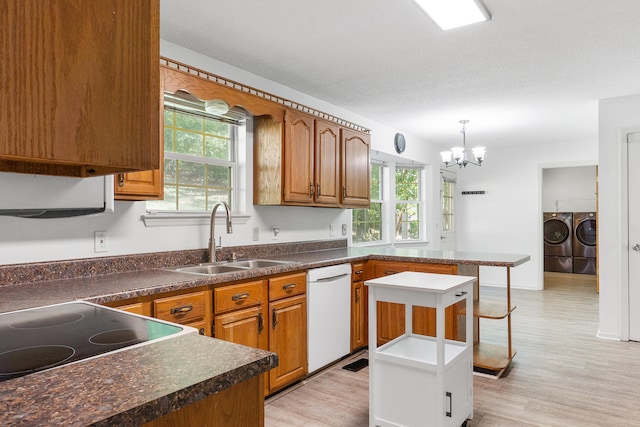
{"x": 271, "y": 315}
{"x": 358, "y": 316}
{"x": 288, "y": 328}
{"x": 288, "y": 339}
{"x": 239, "y": 405}
{"x": 391, "y": 316}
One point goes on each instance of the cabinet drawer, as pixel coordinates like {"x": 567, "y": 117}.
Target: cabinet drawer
{"x": 286, "y": 286}
{"x": 238, "y": 296}
{"x": 181, "y": 308}
{"x": 357, "y": 272}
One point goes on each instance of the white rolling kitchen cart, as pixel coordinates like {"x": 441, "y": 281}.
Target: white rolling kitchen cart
{"x": 417, "y": 380}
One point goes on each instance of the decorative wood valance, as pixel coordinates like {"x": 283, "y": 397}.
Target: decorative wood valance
{"x": 256, "y": 101}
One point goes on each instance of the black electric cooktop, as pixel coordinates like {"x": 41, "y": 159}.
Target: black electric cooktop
{"x": 45, "y": 337}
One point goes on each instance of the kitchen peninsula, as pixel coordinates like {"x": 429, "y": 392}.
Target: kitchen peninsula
{"x": 106, "y": 386}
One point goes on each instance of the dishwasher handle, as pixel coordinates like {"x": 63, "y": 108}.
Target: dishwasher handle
{"x": 332, "y": 278}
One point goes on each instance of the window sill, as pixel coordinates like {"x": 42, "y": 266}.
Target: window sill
{"x": 409, "y": 243}
{"x": 174, "y": 219}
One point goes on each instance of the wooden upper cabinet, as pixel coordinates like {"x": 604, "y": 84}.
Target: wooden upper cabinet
{"x": 145, "y": 185}
{"x": 311, "y": 162}
{"x": 298, "y": 157}
{"x": 327, "y": 160}
{"x": 80, "y": 85}
{"x": 355, "y": 169}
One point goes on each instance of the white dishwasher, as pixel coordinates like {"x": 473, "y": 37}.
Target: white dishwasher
{"x": 328, "y": 314}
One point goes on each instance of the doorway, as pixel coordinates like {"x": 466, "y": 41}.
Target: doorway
{"x": 569, "y": 199}
{"x": 633, "y": 251}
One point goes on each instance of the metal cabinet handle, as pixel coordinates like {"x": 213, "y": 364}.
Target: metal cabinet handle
{"x": 318, "y": 189}
{"x": 636, "y": 247}
{"x": 390, "y": 272}
{"x": 260, "y": 323}
{"x": 120, "y": 180}
{"x": 288, "y": 287}
{"x": 310, "y": 189}
{"x": 181, "y": 310}
{"x": 274, "y": 318}
{"x": 450, "y": 411}
{"x": 240, "y": 297}
{"x": 461, "y": 294}
{"x": 344, "y": 192}
{"x": 359, "y": 271}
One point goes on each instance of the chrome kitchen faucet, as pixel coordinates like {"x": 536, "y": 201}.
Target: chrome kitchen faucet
{"x": 212, "y": 240}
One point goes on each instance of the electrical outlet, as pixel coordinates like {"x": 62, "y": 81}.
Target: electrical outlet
{"x": 332, "y": 230}
{"x": 256, "y": 234}
{"x": 101, "y": 241}
{"x": 344, "y": 229}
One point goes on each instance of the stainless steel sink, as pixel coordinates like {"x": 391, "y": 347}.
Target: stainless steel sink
{"x": 258, "y": 263}
{"x": 209, "y": 270}
{"x": 214, "y": 269}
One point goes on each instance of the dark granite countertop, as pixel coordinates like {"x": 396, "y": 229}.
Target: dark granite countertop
{"x": 105, "y": 288}
{"x": 130, "y": 387}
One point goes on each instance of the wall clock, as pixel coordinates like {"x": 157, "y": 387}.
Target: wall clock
{"x": 399, "y": 143}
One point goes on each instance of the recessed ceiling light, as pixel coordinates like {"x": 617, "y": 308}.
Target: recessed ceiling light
{"x": 450, "y": 14}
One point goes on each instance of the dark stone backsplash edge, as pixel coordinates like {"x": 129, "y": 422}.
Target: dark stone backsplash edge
{"x": 14, "y": 274}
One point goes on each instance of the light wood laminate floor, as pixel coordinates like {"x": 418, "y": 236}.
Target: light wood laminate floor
{"x": 562, "y": 374}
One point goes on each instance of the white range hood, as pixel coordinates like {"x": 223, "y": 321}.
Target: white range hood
{"x": 43, "y": 196}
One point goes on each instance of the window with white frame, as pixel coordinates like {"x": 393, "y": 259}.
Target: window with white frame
{"x": 367, "y": 223}
{"x": 408, "y": 203}
{"x": 200, "y": 152}
{"x": 448, "y": 206}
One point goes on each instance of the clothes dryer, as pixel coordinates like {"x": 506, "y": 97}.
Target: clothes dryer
{"x": 584, "y": 242}
{"x": 558, "y": 248}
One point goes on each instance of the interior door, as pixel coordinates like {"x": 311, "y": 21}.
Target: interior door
{"x": 633, "y": 174}
{"x": 448, "y": 198}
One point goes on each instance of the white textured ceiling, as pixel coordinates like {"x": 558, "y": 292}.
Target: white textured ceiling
{"x": 531, "y": 75}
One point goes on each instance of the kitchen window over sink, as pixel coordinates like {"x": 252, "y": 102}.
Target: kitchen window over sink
{"x": 200, "y": 158}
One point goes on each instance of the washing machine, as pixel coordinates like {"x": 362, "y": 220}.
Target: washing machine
{"x": 558, "y": 247}
{"x": 584, "y": 242}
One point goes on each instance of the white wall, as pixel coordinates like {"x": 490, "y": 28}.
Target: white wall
{"x": 569, "y": 189}
{"x": 29, "y": 240}
{"x": 615, "y": 116}
{"x": 508, "y": 217}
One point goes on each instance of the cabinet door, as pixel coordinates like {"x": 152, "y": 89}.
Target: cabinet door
{"x": 244, "y": 327}
{"x": 327, "y": 163}
{"x": 358, "y": 316}
{"x": 298, "y": 157}
{"x": 355, "y": 169}
{"x": 288, "y": 338}
{"x": 75, "y": 102}
{"x": 145, "y": 185}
